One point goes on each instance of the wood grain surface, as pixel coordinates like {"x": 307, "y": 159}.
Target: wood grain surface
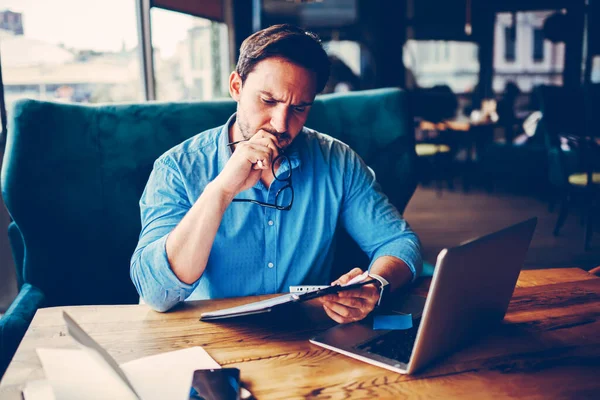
{"x": 547, "y": 347}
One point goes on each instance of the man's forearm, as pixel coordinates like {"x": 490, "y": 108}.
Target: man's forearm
{"x": 394, "y": 270}
{"x": 188, "y": 245}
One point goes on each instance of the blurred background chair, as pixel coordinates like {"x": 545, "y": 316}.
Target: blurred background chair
{"x": 582, "y": 182}
{"x": 507, "y": 117}
{"x": 436, "y": 142}
{"x": 435, "y": 163}
{"x": 573, "y": 153}
{"x": 517, "y": 157}
{"x": 341, "y": 78}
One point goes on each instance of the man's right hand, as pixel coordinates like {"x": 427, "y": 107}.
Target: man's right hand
{"x": 248, "y": 162}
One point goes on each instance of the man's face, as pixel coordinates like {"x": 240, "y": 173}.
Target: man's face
{"x": 276, "y": 97}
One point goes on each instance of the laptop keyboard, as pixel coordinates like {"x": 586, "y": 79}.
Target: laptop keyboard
{"x": 396, "y": 345}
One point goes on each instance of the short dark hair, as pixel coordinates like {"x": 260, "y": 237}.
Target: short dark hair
{"x": 289, "y": 42}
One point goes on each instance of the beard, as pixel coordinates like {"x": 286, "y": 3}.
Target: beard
{"x": 244, "y": 126}
{"x": 284, "y": 139}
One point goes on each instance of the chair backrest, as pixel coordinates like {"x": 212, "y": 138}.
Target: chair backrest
{"x": 563, "y": 113}
{"x": 591, "y": 94}
{"x": 73, "y": 175}
{"x": 434, "y": 104}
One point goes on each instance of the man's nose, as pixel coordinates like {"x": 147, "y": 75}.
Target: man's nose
{"x": 279, "y": 118}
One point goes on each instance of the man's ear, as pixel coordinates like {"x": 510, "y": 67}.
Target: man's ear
{"x": 235, "y": 86}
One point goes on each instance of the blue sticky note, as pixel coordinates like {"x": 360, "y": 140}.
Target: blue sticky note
{"x": 396, "y": 321}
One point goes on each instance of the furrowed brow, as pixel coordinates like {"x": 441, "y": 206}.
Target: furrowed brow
{"x": 302, "y": 104}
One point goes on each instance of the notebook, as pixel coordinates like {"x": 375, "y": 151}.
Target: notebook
{"x": 263, "y": 306}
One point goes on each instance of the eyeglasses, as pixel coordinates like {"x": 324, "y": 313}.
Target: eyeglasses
{"x": 284, "y": 197}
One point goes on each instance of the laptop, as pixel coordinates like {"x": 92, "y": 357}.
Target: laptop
{"x": 470, "y": 291}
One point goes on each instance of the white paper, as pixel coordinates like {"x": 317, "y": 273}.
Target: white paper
{"x": 76, "y": 374}
{"x": 97, "y": 352}
{"x": 38, "y": 390}
{"x": 167, "y": 375}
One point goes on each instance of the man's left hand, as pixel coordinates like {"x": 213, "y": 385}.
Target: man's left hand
{"x": 350, "y": 305}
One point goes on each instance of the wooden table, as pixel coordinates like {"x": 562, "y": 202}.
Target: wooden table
{"x": 548, "y": 347}
{"x": 455, "y": 125}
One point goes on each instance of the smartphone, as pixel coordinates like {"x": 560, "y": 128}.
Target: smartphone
{"x": 215, "y": 384}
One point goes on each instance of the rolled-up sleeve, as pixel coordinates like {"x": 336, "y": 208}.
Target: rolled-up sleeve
{"x": 163, "y": 204}
{"x": 372, "y": 221}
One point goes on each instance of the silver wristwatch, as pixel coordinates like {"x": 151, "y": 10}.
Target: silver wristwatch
{"x": 383, "y": 285}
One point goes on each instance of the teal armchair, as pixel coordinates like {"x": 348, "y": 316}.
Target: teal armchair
{"x": 73, "y": 175}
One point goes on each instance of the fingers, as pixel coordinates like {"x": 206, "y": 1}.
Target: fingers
{"x": 342, "y": 314}
{"x": 260, "y": 149}
{"x": 249, "y": 159}
{"x": 268, "y": 140}
{"x": 342, "y": 280}
{"x": 366, "y": 292}
{"x": 264, "y": 135}
{"x": 335, "y": 316}
{"x": 348, "y": 302}
{"x": 257, "y": 154}
{"x": 364, "y": 297}
{"x": 351, "y": 305}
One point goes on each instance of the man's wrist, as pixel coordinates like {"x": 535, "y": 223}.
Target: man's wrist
{"x": 222, "y": 195}
{"x": 383, "y": 286}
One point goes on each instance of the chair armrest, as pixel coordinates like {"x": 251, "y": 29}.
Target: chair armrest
{"x": 15, "y": 322}
{"x": 18, "y": 250}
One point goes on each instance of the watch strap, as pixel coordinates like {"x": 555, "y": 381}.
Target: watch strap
{"x": 383, "y": 283}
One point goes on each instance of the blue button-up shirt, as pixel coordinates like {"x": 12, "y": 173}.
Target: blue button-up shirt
{"x": 259, "y": 250}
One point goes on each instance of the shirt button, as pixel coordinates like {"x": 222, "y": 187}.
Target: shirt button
{"x": 270, "y": 265}
{"x": 271, "y": 222}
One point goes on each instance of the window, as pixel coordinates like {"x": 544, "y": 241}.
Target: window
{"x": 82, "y": 58}
{"x": 199, "y": 86}
{"x": 345, "y": 74}
{"x": 595, "y": 73}
{"x": 191, "y": 56}
{"x": 510, "y": 43}
{"x": 524, "y": 60}
{"x": 347, "y": 51}
{"x": 538, "y": 44}
{"x": 442, "y": 63}
{"x": 198, "y": 39}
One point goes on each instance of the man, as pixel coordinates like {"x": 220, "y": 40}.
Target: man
{"x": 221, "y": 217}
